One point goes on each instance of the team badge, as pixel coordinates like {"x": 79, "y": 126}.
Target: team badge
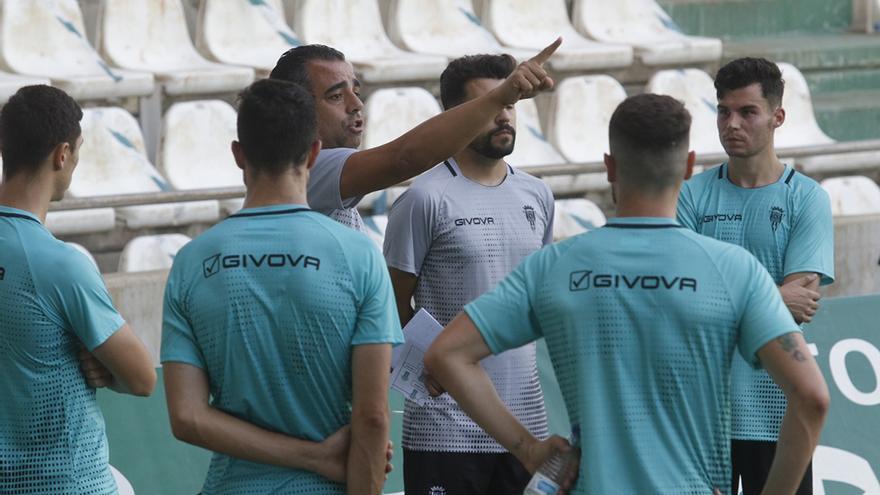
{"x": 776, "y": 214}
{"x": 436, "y": 490}
{"x": 530, "y": 215}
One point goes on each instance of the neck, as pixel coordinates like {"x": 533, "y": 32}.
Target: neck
{"x": 31, "y": 194}
{"x": 267, "y": 190}
{"x": 755, "y": 171}
{"x": 481, "y": 169}
{"x": 640, "y": 203}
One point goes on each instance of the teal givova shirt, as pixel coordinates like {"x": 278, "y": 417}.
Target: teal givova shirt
{"x": 52, "y": 301}
{"x": 641, "y": 319}
{"x": 269, "y": 303}
{"x": 788, "y": 226}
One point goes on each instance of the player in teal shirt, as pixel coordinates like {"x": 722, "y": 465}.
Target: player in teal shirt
{"x": 60, "y": 336}
{"x": 286, "y": 319}
{"x": 641, "y": 319}
{"x": 780, "y": 216}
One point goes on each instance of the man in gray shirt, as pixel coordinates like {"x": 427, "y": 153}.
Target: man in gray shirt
{"x": 459, "y": 229}
{"x": 342, "y": 175}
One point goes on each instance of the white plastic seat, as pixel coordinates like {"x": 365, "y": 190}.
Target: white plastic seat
{"x": 575, "y": 216}
{"x": 10, "y": 83}
{"x": 449, "y": 28}
{"x": 48, "y": 40}
{"x": 151, "y": 252}
{"x": 696, "y": 90}
{"x": 359, "y": 34}
{"x": 853, "y": 195}
{"x": 376, "y": 226}
{"x": 112, "y": 160}
{"x": 252, "y": 34}
{"x": 533, "y": 149}
{"x": 86, "y": 221}
{"x": 122, "y": 483}
{"x": 645, "y": 26}
{"x": 194, "y": 148}
{"x": 531, "y": 25}
{"x": 152, "y": 36}
{"x": 394, "y": 111}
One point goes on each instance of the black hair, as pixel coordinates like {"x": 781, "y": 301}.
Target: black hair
{"x": 291, "y": 66}
{"x": 746, "y": 71}
{"x": 461, "y": 70}
{"x": 276, "y": 125}
{"x": 34, "y": 121}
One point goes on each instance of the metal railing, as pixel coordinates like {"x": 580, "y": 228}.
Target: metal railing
{"x": 122, "y": 200}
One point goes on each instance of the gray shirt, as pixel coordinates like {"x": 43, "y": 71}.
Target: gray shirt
{"x": 461, "y": 238}
{"x": 323, "y": 192}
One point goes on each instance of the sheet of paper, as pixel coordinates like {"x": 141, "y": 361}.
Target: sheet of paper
{"x": 407, "y": 360}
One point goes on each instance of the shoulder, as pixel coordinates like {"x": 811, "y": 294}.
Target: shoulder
{"x": 804, "y": 186}
{"x": 530, "y": 182}
{"x": 61, "y": 264}
{"x": 431, "y": 185}
{"x": 334, "y": 155}
{"x": 704, "y": 179}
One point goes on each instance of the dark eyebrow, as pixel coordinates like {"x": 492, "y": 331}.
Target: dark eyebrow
{"x": 335, "y": 87}
{"x": 356, "y": 83}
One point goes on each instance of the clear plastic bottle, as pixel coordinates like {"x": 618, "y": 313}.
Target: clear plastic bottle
{"x": 547, "y": 478}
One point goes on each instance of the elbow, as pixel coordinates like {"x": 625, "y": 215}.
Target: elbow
{"x": 144, "y": 385}
{"x": 815, "y": 403}
{"x": 433, "y": 361}
{"x": 183, "y": 425}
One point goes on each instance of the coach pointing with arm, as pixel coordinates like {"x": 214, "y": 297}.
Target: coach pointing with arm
{"x": 342, "y": 175}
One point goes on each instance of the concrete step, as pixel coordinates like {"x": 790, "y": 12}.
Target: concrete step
{"x": 818, "y": 51}
{"x": 849, "y": 115}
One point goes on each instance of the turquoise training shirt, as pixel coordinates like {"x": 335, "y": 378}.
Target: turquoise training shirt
{"x": 641, "y": 319}
{"x": 269, "y": 303}
{"x": 788, "y": 226}
{"x": 52, "y": 301}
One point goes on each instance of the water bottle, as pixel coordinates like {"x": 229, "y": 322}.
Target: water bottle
{"x": 548, "y": 477}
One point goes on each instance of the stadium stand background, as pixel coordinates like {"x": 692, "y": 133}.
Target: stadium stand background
{"x": 159, "y": 78}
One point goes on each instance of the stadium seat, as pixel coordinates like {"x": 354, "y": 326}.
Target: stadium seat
{"x": 253, "y": 34}
{"x": 645, "y": 26}
{"x": 853, "y": 195}
{"x": 10, "y": 83}
{"x": 696, "y": 90}
{"x": 802, "y": 129}
{"x": 48, "y": 40}
{"x": 449, "y": 28}
{"x": 194, "y": 148}
{"x": 122, "y": 483}
{"x": 575, "y": 216}
{"x": 393, "y": 111}
{"x": 532, "y": 25}
{"x": 579, "y": 112}
{"x": 112, "y": 160}
{"x": 152, "y": 36}
{"x": 533, "y": 149}
{"x": 359, "y": 34}
{"x": 151, "y": 252}
{"x": 376, "y": 225}
{"x": 86, "y": 221}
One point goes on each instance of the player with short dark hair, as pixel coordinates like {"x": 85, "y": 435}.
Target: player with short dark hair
{"x": 458, "y": 230}
{"x": 779, "y": 215}
{"x": 641, "y": 318}
{"x": 342, "y": 174}
{"x": 278, "y": 324}
{"x": 60, "y": 336}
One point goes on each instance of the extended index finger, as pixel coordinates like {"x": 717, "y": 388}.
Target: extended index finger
{"x": 545, "y": 54}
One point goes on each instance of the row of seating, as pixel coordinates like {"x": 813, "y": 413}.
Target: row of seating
{"x": 142, "y": 44}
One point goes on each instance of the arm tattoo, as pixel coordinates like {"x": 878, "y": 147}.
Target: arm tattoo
{"x": 790, "y": 346}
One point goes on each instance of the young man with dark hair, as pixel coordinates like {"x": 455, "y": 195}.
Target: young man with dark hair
{"x": 60, "y": 336}
{"x": 459, "y": 229}
{"x": 278, "y": 325}
{"x": 641, "y": 319}
{"x": 780, "y": 216}
{"x": 342, "y": 175}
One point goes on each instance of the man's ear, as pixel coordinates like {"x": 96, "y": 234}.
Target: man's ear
{"x": 314, "y": 149}
{"x": 610, "y": 168}
{"x": 61, "y": 156}
{"x": 689, "y": 169}
{"x": 238, "y": 154}
{"x": 778, "y": 117}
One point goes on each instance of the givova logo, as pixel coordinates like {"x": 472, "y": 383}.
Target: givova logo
{"x": 584, "y": 280}
{"x": 474, "y": 221}
{"x": 722, "y": 217}
{"x": 213, "y": 264}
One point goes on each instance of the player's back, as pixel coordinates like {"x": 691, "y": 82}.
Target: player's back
{"x": 51, "y": 431}
{"x": 641, "y": 319}
{"x": 267, "y": 302}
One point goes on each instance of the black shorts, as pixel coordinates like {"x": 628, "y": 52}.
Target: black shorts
{"x": 453, "y": 473}
{"x": 751, "y": 461}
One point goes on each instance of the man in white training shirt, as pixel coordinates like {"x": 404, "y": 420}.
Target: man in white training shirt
{"x": 342, "y": 175}
{"x": 459, "y": 229}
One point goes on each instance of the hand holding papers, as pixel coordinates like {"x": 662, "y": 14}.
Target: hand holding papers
{"x": 408, "y": 369}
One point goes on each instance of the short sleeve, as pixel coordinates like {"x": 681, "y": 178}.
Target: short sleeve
{"x": 323, "y": 190}
{"x": 409, "y": 232}
{"x": 811, "y": 242}
{"x": 79, "y": 296}
{"x": 687, "y": 214}
{"x": 178, "y": 340}
{"x": 377, "y": 320}
{"x": 549, "y": 210}
{"x": 763, "y": 316}
{"x": 505, "y": 316}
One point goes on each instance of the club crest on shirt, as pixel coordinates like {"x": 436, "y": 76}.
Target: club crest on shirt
{"x": 529, "y": 212}
{"x": 436, "y": 490}
{"x": 776, "y": 214}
